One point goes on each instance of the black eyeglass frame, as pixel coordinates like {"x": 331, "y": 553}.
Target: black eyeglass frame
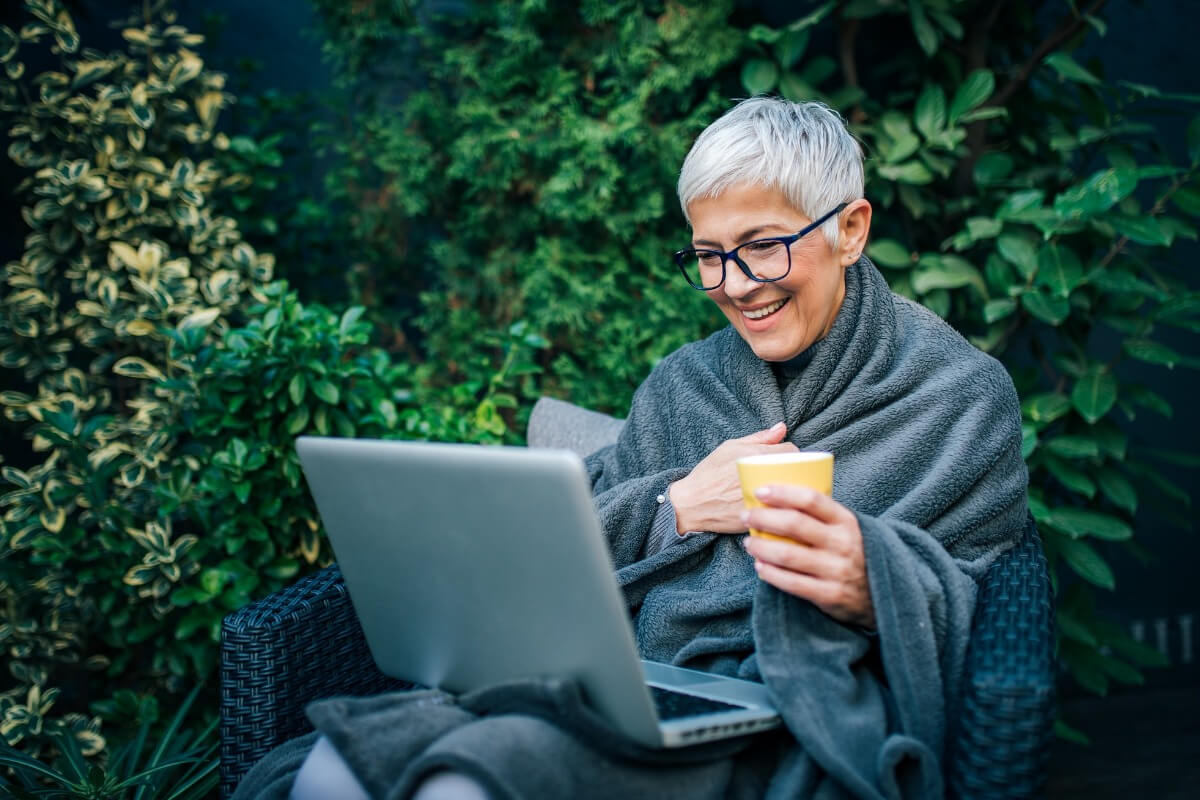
{"x": 683, "y": 256}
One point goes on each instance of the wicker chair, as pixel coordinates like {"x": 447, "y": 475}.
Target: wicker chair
{"x": 304, "y": 643}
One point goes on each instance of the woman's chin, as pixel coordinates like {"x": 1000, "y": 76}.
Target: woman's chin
{"x": 775, "y": 351}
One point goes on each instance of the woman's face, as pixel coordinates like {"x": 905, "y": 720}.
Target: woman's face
{"x": 801, "y": 307}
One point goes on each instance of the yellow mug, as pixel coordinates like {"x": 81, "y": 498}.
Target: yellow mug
{"x": 812, "y": 468}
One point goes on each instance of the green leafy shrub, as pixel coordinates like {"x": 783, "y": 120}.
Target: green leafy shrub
{"x": 528, "y": 173}
{"x": 181, "y": 765}
{"x": 160, "y": 381}
{"x": 122, "y": 249}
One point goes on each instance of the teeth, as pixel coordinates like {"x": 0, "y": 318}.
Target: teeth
{"x": 765, "y": 310}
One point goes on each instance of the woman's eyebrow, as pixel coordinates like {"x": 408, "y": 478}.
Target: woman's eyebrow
{"x": 744, "y": 236}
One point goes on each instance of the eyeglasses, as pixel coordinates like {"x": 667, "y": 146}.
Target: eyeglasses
{"x": 760, "y": 260}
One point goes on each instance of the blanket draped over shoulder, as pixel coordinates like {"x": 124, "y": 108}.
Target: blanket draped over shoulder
{"x": 925, "y": 430}
{"x": 926, "y": 435}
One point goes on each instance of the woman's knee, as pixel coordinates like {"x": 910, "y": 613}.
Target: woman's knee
{"x": 325, "y": 774}
{"x": 449, "y": 785}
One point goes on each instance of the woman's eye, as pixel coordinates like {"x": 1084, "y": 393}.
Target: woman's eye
{"x": 710, "y": 259}
{"x": 763, "y": 248}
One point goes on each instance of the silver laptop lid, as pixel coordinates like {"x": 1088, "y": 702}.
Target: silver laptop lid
{"x": 472, "y": 565}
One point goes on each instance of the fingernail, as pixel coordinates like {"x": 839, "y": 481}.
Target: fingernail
{"x": 762, "y": 492}
{"x": 777, "y": 426}
{"x": 744, "y": 516}
{"x": 757, "y": 565}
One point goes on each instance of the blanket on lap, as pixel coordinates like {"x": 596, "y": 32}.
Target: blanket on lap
{"x": 926, "y": 434}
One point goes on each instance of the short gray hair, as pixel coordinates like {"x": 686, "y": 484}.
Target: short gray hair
{"x": 802, "y": 149}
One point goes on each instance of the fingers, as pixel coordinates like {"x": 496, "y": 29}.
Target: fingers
{"x": 810, "y": 501}
{"x": 848, "y": 606}
{"x": 771, "y": 435}
{"x": 815, "y": 590}
{"x": 785, "y": 522}
{"x": 797, "y": 558}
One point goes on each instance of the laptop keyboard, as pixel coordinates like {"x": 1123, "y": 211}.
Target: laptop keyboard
{"x": 674, "y": 705}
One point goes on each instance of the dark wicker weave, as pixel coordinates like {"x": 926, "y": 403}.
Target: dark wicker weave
{"x": 302, "y": 643}
{"x": 305, "y": 643}
{"x": 1001, "y": 741}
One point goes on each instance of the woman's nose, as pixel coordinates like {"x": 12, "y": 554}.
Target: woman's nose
{"x": 737, "y": 285}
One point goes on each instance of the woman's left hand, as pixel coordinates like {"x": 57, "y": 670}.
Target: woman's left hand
{"x": 825, "y": 564}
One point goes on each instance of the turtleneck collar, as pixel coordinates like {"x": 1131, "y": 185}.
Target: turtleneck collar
{"x": 787, "y": 371}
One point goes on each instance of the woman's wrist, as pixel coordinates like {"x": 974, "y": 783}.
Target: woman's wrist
{"x": 678, "y": 496}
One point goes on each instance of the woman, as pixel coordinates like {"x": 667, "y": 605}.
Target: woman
{"x": 859, "y": 625}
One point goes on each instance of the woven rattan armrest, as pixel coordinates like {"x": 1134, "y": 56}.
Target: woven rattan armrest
{"x": 1000, "y": 739}
{"x": 302, "y": 643}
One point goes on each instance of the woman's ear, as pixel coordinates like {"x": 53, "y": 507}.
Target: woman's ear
{"x": 854, "y": 226}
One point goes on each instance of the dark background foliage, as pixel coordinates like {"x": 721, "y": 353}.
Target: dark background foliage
{"x": 473, "y": 205}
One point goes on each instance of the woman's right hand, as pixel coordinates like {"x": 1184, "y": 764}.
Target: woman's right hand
{"x": 710, "y": 497}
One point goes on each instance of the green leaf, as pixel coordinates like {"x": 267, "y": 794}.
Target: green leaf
{"x": 1068, "y": 734}
{"x": 327, "y": 391}
{"x": 1019, "y": 204}
{"x": 296, "y": 387}
{"x": 349, "y": 318}
{"x": 913, "y": 172}
{"x": 991, "y": 168}
{"x": 1141, "y": 229}
{"x": 759, "y": 75}
{"x": 1154, "y": 352}
{"x": 1071, "y": 477}
{"x": 87, "y": 72}
{"x": 1059, "y": 269}
{"x": 998, "y": 309}
{"x": 796, "y": 89}
{"x": 1052, "y": 310}
{"x": 238, "y": 452}
{"x": 297, "y": 420}
{"x": 1045, "y": 408}
{"x": 1112, "y": 440}
{"x": 946, "y": 272}
{"x": 1188, "y": 200}
{"x": 814, "y": 17}
{"x": 790, "y": 46}
{"x": 900, "y": 149}
{"x": 987, "y": 112}
{"x": 1069, "y": 69}
{"x": 890, "y": 253}
{"x": 1117, "y": 489}
{"x": 930, "y": 113}
{"x": 1074, "y": 629}
{"x": 1193, "y": 139}
{"x": 1020, "y": 252}
{"x": 1069, "y": 446}
{"x": 927, "y": 35}
{"x": 1087, "y": 563}
{"x": 1094, "y": 394}
{"x": 1079, "y": 522}
{"x": 1029, "y": 440}
{"x": 983, "y": 227}
{"x": 199, "y": 319}
{"x": 1100, "y": 192}
{"x": 134, "y": 367}
{"x": 976, "y": 89}
{"x": 1149, "y": 399}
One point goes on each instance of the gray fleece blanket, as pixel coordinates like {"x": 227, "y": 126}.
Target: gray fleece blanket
{"x": 926, "y": 434}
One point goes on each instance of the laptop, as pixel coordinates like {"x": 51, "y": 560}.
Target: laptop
{"x": 469, "y": 566}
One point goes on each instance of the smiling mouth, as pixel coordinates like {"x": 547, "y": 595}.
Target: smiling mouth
{"x": 765, "y": 311}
